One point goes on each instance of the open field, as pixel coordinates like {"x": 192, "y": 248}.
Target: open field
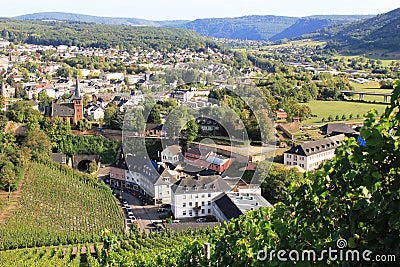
{"x": 324, "y": 109}
{"x": 370, "y": 87}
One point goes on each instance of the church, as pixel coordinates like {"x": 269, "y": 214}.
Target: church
{"x": 71, "y": 111}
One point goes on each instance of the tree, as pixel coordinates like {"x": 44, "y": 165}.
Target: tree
{"x": 2, "y": 102}
{"x": 84, "y": 125}
{"x": 192, "y": 130}
{"x": 92, "y": 168}
{"x": 109, "y": 113}
{"x": 7, "y": 176}
{"x": 39, "y": 145}
{"x": 44, "y": 99}
{"x": 278, "y": 182}
{"x": 344, "y": 117}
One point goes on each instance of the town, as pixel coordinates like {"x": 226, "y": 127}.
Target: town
{"x": 160, "y": 145}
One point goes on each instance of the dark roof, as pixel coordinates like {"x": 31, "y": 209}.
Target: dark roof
{"x": 315, "y": 147}
{"x": 63, "y": 110}
{"x": 120, "y": 163}
{"x": 201, "y": 184}
{"x": 194, "y": 150}
{"x": 336, "y": 128}
{"x": 153, "y": 126}
{"x": 227, "y": 207}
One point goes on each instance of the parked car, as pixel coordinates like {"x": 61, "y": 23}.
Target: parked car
{"x": 201, "y": 220}
{"x": 166, "y": 206}
{"x": 130, "y": 213}
{"x": 161, "y": 210}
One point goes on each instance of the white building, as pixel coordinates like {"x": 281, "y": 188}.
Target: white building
{"x": 162, "y": 187}
{"x": 97, "y": 113}
{"x": 193, "y": 196}
{"x": 171, "y": 154}
{"x": 311, "y": 154}
{"x": 112, "y": 76}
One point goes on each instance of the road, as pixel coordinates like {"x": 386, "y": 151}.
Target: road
{"x": 145, "y": 215}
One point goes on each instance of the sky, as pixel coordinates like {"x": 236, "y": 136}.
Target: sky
{"x": 188, "y": 9}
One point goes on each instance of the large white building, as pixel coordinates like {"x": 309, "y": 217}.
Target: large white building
{"x": 311, "y": 154}
{"x": 193, "y": 196}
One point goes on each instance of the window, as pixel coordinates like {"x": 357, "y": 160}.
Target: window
{"x": 190, "y": 204}
{"x": 209, "y": 195}
{"x": 190, "y": 213}
{"x": 209, "y": 211}
{"x": 202, "y": 203}
{"x": 184, "y": 212}
{"x": 203, "y": 211}
{"x": 184, "y": 204}
{"x": 196, "y": 196}
{"x": 203, "y": 196}
{"x": 209, "y": 203}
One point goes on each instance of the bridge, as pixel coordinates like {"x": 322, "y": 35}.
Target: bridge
{"x": 362, "y": 94}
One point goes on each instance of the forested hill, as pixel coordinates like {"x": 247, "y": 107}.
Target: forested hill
{"x": 72, "y": 17}
{"x": 102, "y": 36}
{"x": 311, "y": 24}
{"x": 262, "y": 27}
{"x": 380, "y": 33}
{"x": 247, "y": 27}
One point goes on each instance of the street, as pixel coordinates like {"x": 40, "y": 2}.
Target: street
{"x": 145, "y": 215}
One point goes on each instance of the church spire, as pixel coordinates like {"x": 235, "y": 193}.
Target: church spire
{"x": 77, "y": 89}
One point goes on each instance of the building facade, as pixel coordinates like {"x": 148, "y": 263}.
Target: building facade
{"x": 311, "y": 154}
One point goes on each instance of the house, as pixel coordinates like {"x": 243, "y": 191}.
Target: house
{"x": 112, "y": 76}
{"x": 281, "y": 114}
{"x": 59, "y": 158}
{"x": 97, "y": 113}
{"x": 171, "y": 154}
{"x": 311, "y": 154}
{"x": 71, "y": 111}
{"x": 153, "y": 129}
{"x": 162, "y": 187}
{"x": 193, "y": 196}
{"x": 4, "y": 63}
{"x": 7, "y": 91}
{"x": 336, "y": 128}
{"x": 231, "y": 205}
{"x": 208, "y": 125}
{"x": 207, "y": 160}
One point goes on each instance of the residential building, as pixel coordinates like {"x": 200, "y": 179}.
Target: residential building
{"x": 193, "y": 196}
{"x": 171, "y": 154}
{"x": 163, "y": 185}
{"x": 311, "y": 154}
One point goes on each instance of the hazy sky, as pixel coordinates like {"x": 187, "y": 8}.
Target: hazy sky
{"x": 187, "y": 9}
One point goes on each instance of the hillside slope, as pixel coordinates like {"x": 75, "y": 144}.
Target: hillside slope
{"x": 102, "y": 36}
{"x": 380, "y": 33}
{"x": 60, "y": 206}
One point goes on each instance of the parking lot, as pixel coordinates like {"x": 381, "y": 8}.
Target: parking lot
{"x": 145, "y": 215}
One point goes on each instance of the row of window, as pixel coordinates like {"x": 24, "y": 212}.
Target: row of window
{"x": 196, "y": 196}
{"x": 190, "y": 212}
{"x": 196, "y": 204}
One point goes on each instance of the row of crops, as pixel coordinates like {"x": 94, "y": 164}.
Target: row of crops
{"x": 60, "y": 206}
{"x": 134, "y": 249}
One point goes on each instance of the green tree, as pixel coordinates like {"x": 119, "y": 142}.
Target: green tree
{"x": 84, "y": 125}
{"x": 191, "y": 130}
{"x": 39, "y": 145}
{"x": 92, "y": 168}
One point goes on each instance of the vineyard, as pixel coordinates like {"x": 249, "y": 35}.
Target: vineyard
{"x": 135, "y": 249}
{"x": 60, "y": 206}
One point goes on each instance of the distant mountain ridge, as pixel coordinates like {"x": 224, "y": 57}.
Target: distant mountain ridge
{"x": 381, "y": 32}
{"x": 267, "y": 27}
